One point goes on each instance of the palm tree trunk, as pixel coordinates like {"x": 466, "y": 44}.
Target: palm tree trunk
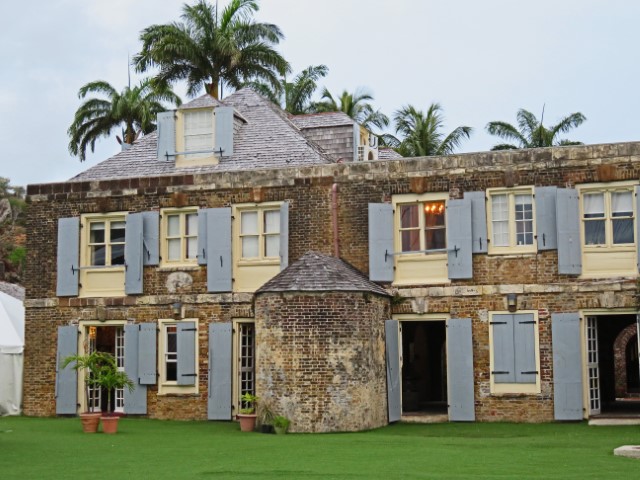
{"x": 212, "y": 89}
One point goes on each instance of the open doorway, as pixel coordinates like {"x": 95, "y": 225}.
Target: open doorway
{"x": 613, "y": 365}
{"x": 424, "y": 368}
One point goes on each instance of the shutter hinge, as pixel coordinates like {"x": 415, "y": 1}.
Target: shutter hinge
{"x": 500, "y": 372}
{"x": 195, "y": 374}
{"x": 497, "y": 323}
{"x": 530, "y": 372}
{"x": 189, "y": 330}
{"x": 528, "y": 322}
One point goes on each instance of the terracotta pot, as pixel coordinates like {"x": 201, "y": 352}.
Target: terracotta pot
{"x": 90, "y": 422}
{"x": 110, "y": 424}
{"x": 247, "y": 421}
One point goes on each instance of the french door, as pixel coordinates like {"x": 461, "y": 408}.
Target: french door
{"x": 593, "y": 369}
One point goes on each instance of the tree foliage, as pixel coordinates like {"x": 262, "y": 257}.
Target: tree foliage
{"x": 12, "y": 231}
{"x": 211, "y": 49}
{"x": 356, "y": 105}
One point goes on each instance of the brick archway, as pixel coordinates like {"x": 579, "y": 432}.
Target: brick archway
{"x": 620, "y": 358}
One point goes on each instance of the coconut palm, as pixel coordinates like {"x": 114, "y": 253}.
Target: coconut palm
{"x": 210, "y": 50}
{"x": 355, "y": 105}
{"x": 531, "y": 133}
{"x": 133, "y": 109}
{"x": 422, "y": 133}
{"x": 293, "y": 97}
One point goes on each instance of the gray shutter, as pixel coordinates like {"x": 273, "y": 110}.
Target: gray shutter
{"x": 219, "y": 403}
{"x": 503, "y": 352}
{"x": 478, "y": 221}
{"x": 284, "y": 236}
{"x": 219, "y": 250}
{"x": 381, "y": 242}
{"x": 135, "y": 402}
{"x": 133, "y": 254}
{"x": 567, "y": 366}
{"x": 147, "y": 353}
{"x": 459, "y": 241}
{"x": 460, "y": 378}
{"x": 202, "y": 236}
{"x": 568, "y": 222}
{"x": 187, "y": 367}
{"x": 546, "y": 230}
{"x": 66, "y": 378}
{"x": 166, "y": 136}
{"x": 394, "y": 403}
{"x": 224, "y": 130}
{"x": 525, "y": 347}
{"x": 356, "y": 141}
{"x": 150, "y": 235}
{"x": 637, "y": 194}
{"x": 68, "y": 257}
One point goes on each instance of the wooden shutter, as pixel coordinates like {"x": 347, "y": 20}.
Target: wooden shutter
{"x": 68, "y": 257}
{"x": 381, "y": 242}
{"x": 567, "y": 366}
{"x": 133, "y": 254}
{"x": 150, "y": 235}
{"x": 524, "y": 326}
{"x": 546, "y": 223}
{"x": 459, "y": 241}
{"x": 66, "y": 378}
{"x": 568, "y": 227}
{"x": 147, "y": 371}
{"x": 218, "y": 250}
{"x": 478, "y": 221}
{"x": 135, "y": 402}
{"x": 202, "y": 236}
{"x": 224, "y": 130}
{"x": 356, "y": 140}
{"x": 637, "y": 215}
{"x": 187, "y": 367}
{"x": 219, "y": 401}
{"x": 460, "y": 378}
{"x": 393, "y": 370}
{"x": 166, "y": 136}
{"x": 503, "y": 351}
{"x": 284, "y": 236}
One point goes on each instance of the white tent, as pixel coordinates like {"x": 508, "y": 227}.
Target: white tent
{"x": 11, "y": 348}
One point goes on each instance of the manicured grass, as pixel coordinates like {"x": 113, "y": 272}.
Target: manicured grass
{"x": 55, "y": 448}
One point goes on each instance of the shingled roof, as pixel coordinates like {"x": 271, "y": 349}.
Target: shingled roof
{"x": 268, "y": 139}
{"x": 387, "y": 153}
{"x": 316, "y": 272}
{"x": 319, "y": 120}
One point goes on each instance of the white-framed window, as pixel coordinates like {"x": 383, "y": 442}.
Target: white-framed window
{"x": 511, "y": 218}
{"x": 259, "y": 233}
{"x": 105, "y": 241}
{"x": 514, "y": 352}
{"x": 179, "y": 236}
{"x": 198, "y": 133}
{"x": 173, "y": 362}
{"x": 608, "y": 217}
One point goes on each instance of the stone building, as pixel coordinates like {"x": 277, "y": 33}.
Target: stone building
{"x": 494, "y": 286}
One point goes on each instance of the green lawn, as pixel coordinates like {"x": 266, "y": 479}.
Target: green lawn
{"x": 52, "y": 448}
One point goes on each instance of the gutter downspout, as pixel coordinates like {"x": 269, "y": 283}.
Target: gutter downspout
{"x": 334, "y": 220}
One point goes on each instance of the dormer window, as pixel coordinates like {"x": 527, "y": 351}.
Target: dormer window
{"x": 198, "y": 133}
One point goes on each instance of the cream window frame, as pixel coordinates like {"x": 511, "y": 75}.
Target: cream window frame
{"x": 107, "y": 220}
{"x": 235, "y": 355}
{"x": 172, "y": 387}
{"x": 512, "y": 248}
{"x": 183, "y": 236}
{"x": 260, "y": 209}
{"x": 515, "y": 388}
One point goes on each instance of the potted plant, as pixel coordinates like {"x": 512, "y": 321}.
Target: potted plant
{"x": 109, "y": 377}
{"x": 265, "y": 417}
{"x": 281, "y": 424}
{"x": 247, "y": 416}
{"x": 90, "y": 365}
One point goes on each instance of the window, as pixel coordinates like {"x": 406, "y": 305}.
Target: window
{"x": 198, "y": 133}
{"x": 106, "y": 242}
{"x": 514, "y": 362}
{"x": 511, "y": 221}
{"x": 608, "y": 218}
{"x": 422, "y": 226}
{"x": 180, "y": 239}
{"x": 177, "y": 354}
{"x": 245, "y": 359}
{"x": 260, "y": 234}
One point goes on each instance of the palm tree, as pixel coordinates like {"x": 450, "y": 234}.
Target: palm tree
{"x": 422, "y": 135}
{"x": 211, "y": 52}
{"x": 531, "y": 133}
{"x": 293, "y": 97}
{"x": 133, "y": 109}
{"x": 355, "y": 105}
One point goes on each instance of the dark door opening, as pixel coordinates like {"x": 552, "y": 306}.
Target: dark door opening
{"x": 618, "y": 364}
{"x": 424, "y": 367}
{"x": 109, "y": 339}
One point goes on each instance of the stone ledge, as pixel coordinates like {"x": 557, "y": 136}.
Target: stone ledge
{"x": 631, "y": 451}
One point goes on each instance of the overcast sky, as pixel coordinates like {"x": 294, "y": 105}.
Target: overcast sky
{"x": 482, "y": 60}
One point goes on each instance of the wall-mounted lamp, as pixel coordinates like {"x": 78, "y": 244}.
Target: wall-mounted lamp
{"x": 176, "y": 308}
{"x": 512, "y": 302}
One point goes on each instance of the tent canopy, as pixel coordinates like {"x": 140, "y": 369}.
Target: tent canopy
{"x": 11, "y": 324}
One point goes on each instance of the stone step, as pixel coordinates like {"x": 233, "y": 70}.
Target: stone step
{"x": 612, "y": 421}
{"x": 425, "y": 418}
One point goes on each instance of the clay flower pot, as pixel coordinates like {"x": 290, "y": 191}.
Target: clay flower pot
{"x": 90, "y": 422}
{"x": 247, "y": 421}
{"x": 110, "y": 424}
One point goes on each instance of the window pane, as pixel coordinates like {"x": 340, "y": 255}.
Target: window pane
{"x": 272, "y": 246}
{"x": 621, "y": 204}
{"x": 272, "y": 221}
{"x": 524, "y": 219}
{"x": 500, "y": 233}
{"x": 434, "y": 214}
{"x": 499, "y": 208}
{"x": 173, "y": 225}
{"x": 117, "y": 254}
{"x": 250, "y": 247}
{"x": 623, "y": 231}
{"x": 172, "y": 339}
{"x": 410, "y": 240}
{"x": 192, "y": 247}
{"x": 97, "y": 255}
{"x": 408, "y": 216}
{"x": 192, "y": 224}
{"x": 436, "y": 239}
{"x": 249, "y": 223}
{"x": 593, "y": 205}
{"x": 117, "y": 232}
{"x": 96, "y": 232}
{"x": 174, "y": 249}
{"x": 171, "y": 370}
{"x": 524, "y": 207}
{"x": 594, "y": 232}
